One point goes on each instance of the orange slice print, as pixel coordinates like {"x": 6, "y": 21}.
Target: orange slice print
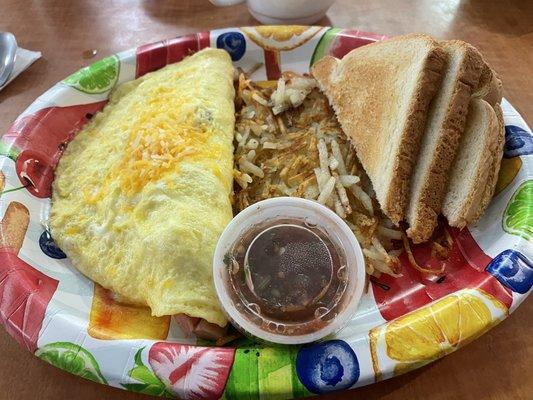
{"x": 282, "y": 37}
{"x": 433, "y": 331}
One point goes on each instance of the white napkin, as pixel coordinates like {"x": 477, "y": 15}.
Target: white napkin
{"x": 23, "y": 60}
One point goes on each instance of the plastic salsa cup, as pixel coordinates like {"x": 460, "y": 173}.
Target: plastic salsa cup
{"x": 316, "y": 229}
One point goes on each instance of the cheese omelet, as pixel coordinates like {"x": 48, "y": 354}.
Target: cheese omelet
{"x": 142, "y": 193}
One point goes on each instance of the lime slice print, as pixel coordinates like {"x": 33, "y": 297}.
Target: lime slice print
{"x": 98, "y": 77}
{"x": 72, "y": 358}
{"x": 518, "y": 216}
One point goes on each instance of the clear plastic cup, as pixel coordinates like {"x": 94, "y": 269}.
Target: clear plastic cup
{"x": 268, "y": 213}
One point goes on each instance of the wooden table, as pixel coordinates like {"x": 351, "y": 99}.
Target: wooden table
{"x": 496, "y": 366}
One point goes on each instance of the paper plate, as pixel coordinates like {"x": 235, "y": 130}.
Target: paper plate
{"x": 402, "y": 323}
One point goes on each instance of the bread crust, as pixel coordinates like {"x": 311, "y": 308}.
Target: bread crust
{"x": 334, "y": 76}
{"x": 426, "y": 199}
{"x": 494, "y": 171}
{"x": 322, "y": 70}
{"x": 475, "y": 81}
{"x": 489, "y": 91}
{"x": 396, "y": 201}
{"x": 489, "y": 86}
{"x": 481, "y": 186}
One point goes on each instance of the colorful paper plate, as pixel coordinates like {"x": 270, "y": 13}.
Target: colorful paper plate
{"x": 402, "y": 323}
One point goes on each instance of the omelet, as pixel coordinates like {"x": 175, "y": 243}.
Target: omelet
{"x": 143, "y": 191}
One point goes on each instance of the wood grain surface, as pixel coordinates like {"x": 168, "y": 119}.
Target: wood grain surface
{"x": 496, "y": 366}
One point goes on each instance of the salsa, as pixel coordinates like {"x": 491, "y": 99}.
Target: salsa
{"x": 289, "y": 276}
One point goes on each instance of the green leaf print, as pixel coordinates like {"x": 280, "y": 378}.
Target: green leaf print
{"x": 148, "y": 383}
{"x": 518, "y": 215}
{"x": 97, "y": 77}
{"x": 72, "y": 358}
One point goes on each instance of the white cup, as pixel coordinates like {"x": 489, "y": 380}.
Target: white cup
{"x": 283, "y": 12}
{"x": 292, "y": 208}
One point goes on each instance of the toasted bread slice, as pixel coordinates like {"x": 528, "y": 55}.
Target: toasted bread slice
{"x": 492, "y": 180}
{"x": 476, "y": 166}
{"x": 380, "y": 93}
{"x": 489, "y": 86}
{"x": 445, "y": 123}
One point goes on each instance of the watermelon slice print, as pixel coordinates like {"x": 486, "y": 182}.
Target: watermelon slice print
{"x": 338, "y": 42}
{"x": 464, "y": 268}
{"x": 154, "y": 56}
{"x": 24, "y": 296}
{"x": 192, "y": 372}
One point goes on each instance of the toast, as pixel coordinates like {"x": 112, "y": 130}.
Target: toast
{"x": 494, "y": 171}
{"x": 489, "y": 86}
{"x": 477, "y": 163}
{"x": 445, "y": 124}
{"x": 381, "y": 93}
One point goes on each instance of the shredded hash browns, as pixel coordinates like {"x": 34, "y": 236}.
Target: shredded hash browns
{"x": 289, "y": 143}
